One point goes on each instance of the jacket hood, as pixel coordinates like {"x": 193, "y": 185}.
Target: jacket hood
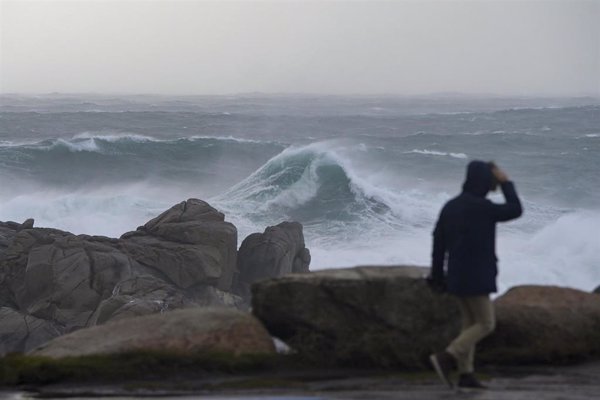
{"x": 479, "y": 179}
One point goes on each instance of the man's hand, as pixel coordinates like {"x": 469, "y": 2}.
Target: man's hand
{"x": 500, "y": 175}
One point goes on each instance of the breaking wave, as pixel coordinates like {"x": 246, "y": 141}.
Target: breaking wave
{"x": 309, "y": 182}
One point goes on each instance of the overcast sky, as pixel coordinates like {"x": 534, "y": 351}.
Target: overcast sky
{"x": 370, "y": 47}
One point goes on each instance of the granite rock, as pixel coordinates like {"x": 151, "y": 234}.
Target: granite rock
{"x": 278, "y": 251}
{"x": 543, "y": 324}
{"x": 380, "y": 316}
{"x": 205, "y": 329}
{"x": 53, "y": 282}
{"x": 190, "y": 243}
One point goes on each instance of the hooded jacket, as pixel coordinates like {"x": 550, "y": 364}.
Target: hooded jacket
{"x": 464, "y": 239}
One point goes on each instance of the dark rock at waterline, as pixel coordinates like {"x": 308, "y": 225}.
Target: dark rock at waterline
{"x": 382, "y": 316}
{"x": 53, "y": 282}
{"x": 278, "y": 251}
{"x": 184, "y": 332}
{"x": 543, "y": 324}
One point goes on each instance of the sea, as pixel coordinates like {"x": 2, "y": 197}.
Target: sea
{"x": 365, "y": 175}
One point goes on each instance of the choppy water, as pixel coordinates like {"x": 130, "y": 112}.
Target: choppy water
{"x": 366, "y": 176}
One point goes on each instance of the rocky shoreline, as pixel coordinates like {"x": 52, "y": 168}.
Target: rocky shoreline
{"x": 53, "y": 282}
{"x": 174, "y": 307}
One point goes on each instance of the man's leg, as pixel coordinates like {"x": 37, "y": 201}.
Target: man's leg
{"x": 481, "y": 310}
{"x": 444, "y": 363}
{"x": 467, "y": 320}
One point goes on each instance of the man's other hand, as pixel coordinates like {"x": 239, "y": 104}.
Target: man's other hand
{"x": 438, "y": 286}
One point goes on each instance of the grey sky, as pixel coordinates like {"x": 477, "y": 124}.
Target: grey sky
{"x": 394, "y": 47}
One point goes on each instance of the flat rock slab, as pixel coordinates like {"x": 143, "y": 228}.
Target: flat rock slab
{"x": 221, "y": 330}
{"x": 380, "y": 316}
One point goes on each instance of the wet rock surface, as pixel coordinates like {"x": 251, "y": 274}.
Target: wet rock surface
{"x": 380, "y": 316}
{"x": 201, "y": 329}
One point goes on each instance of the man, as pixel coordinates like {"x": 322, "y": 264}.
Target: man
{"x": 466, "y": 234}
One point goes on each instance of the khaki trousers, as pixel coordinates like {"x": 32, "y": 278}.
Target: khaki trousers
{"x": 478, "y": 321}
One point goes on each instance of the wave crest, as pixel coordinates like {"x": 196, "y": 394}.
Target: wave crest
{"x": 311, "y": 183}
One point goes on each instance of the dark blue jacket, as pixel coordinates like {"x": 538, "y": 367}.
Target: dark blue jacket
{"x": 465, "y": 234}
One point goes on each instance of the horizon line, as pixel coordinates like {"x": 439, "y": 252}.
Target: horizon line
{"x": 315, "y": 94}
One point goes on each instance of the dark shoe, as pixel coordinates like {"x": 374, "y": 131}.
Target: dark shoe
{"x": 468, "y": 381}
{"x": 443, "y": 363}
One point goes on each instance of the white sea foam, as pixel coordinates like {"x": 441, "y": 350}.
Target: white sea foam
{"x": 115, "y": 137}
{"x": 88, "y": 145}
{"x": 227, "y": 138}
{"x": 109, "y": 211}
{"x": 110, "y": 136}
{"x": 17, "y": 143}
{"x": 564, "y": 252}
{"x": 437, "y": 153}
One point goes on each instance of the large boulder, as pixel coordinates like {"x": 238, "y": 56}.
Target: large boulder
{"x": 382, "y": 316}
{"x": 543, "y": 324}
{"x": 55, "y": 282}
{"x": 190, "y": 243}
{"x": 278, "y": 251}
{"x": 209, "y": 330}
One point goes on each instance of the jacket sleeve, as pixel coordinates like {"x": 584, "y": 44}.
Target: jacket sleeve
{"x": 438, "y": 255}
{"x": 512, "y": 208}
